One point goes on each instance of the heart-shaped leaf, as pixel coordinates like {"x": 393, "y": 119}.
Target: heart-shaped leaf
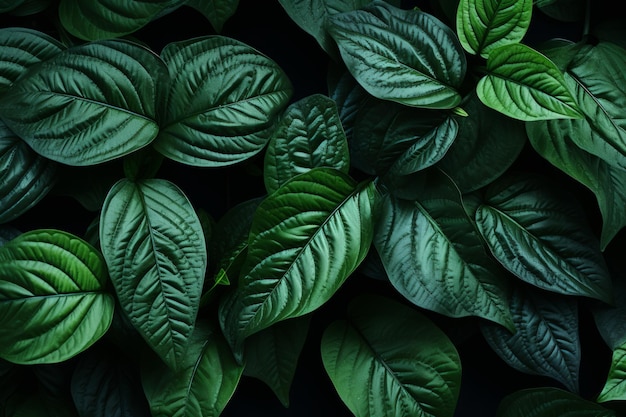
{"x": 52, "y": 299}
{"x": 389, "y": 360}
{"x": 549, "y": 402}
{"x": 154, "y": 246}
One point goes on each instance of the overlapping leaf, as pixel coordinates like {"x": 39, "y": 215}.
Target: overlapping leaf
{"x": 154, "y": 247}
{"x": 216, "y": 11}
{"x": 549, "y": 402}
{"x": 614, "y": 388}
{"x": 223, "y": 101}
{"x": 52, "y": 299}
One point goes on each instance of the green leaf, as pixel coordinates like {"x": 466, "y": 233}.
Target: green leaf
{"x": 546, "y": 339}
{"x": 306, "y": 239}
{"x": 216, "y": 11}
{"x": 539, "y": 232}
{"x": 25, "y": 177}
{"x": 610, "y": 320}
{"x": 435, "y": 258}
{"x": 202, "y": 387}
{"x": 52, "y": 300}
{"x": 8, "y": 5}
{"x": 379, "y": 44}
{"x": 223, "y": 101}
{"x": 154, "y": 247}
{"x": 20, "y": 49}
{"x": 614, "y": 388}
{"x": 272, "y": 355}
{"x": 308, "y": 135}
{"x": 88, "y": 104}
{"x": 95, "y": 20}
{"x": 389, "y": 360}
{"x": 549, "y": 402}
{"x": 523, "y": 84}
{"x": 483, "y": 26}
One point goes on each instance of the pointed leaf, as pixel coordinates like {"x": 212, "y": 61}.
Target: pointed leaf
{"x": 306, "y": 239}
{"x": 223, "y": 101}
{"x": 549, "y": 402}
{"x": 614, "y": 388}
{"x": 216, "y": 11}
{"x": 99, "y": 98}
{"x": 52, "y": 300}
{"x": 525, "y": 85}
{"x": 154, "y": 247}
{"x": 406, "y": 56}
{"x": 308, "y": 135}
{"x": 483, "y": 26}
{"x": 389, "y": 360}
{"x": 539, "y": 232}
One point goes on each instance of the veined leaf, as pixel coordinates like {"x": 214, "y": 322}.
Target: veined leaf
{"x": 21, "y": 48}
{"x": 308, "y": 135}
{"x": 216, "y": 11}
{"x": 523, "y": 84}
{"x": 483, "y": 26}
{"x": 102, "y": 19}
{"x": 435, "y": 258}
{"x": 389, "y": 360}
{"x": 52, "y": 299}
{"x": 549, "y": 402}
{"x": 546, "y": 339}
{"x": 406, "y": 56}
{"x": 306, "y": 239}
{"x": 539, "y": 232}
{"x": 25, "y": 177}
{"x": 614, "y": 388}
{"x": 154, "y": 247}
{"x": 223, "y": 101}
{"x": 88, "y": 104}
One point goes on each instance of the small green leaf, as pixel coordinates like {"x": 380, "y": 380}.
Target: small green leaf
{"x": 216, "y": 11}
{"x": 614, "y": 388}
{"x": 389, "y": 360}
{"x": 523, "y": 84}
{"x": 549, "y": 402}
{"x": 52, "y": 300}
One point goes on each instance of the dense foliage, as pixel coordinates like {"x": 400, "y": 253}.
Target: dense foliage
{"x": 312, "y": 207}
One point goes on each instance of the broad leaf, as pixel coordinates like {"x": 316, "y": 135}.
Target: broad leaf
{"x": 306, "y": 239}
{"x": 523, "y": 84}
{"x": 94, "y": 20}
{"x": 154, "y": 247}
{"x": 99, "y": 98}
{"x": 549, "y": 402}
{"x": 379, "y": 45}
{"x": 435, "y": 258}
{"x": 546, "y": 339}
{"x": 216, "y": 11}
{"x": 308, "y": 135}
{"x": 222, "y": 103}
{"x": 389, "y": 360}
{"x": 483, "y": 26}
{"x": 25, "y": 177}
{"x": 614, "y": 388}
{"x": 539, "y": 232}
{"x": 52, "y": 299}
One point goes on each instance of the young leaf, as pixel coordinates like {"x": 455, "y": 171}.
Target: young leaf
{"x": 546, "y": 339}
{"x": 154, "y": 247}
{"x": 99, "y": 99}
{"x": 406, "y": 56}
{"x": 549, "y": 402}
{"x": 539, "y": 232}
{"x": 223, "y": 101}
{"x": 52, "y": 299}
{"x": 523, "y": 84}
{"x": 306, "y": 239}
{"x": 389, "y": 360}
{"x": 308, "y": 135}
{"x": 614, "y": 388}
{"x": 216, "y": 11}
{"x": 483, "y": 26}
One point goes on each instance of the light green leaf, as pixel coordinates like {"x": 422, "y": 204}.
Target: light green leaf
{"x": 614, "y": 388}
{"x": 389, "y": 360}
{"x": 406, "y": 56}
{"x": 223, "y": 101}
{"x": 308, "y": 135}
{"x": 523, "y": 84}
{"x": 545, "y": 341}
{"x": 549, "y": 402}
{"x": 216, "y": 11}
{"x": 539, "y": 232}
{"x": 25, "y": 177}
{"x": 52, "y": 300}
{"x": 306, "y": 239}
{"x": 435, "y": 258}
{"x": 103, "y": 19}
{"x": 483, "y": 26}
{"x": 99, "y": 102}
{"x": 154, "y": 246}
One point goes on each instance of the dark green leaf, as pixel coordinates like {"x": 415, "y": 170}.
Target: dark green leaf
{"x": 549, "y": 402}
{"x": 216, "y": 11}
